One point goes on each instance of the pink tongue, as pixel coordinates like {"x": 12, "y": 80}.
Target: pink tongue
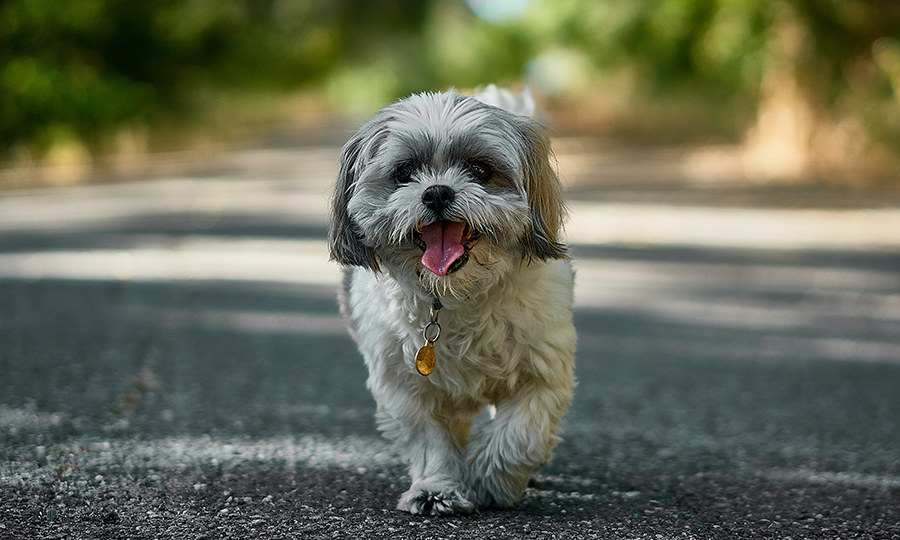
{"x": 443, "y": 245}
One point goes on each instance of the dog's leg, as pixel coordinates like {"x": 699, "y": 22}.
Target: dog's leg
{"x": 506, "y": 451}
{"x": 461, "y": 428}
{"x": 438, "y": 472}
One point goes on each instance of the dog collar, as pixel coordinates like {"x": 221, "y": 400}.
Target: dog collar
{"x": 425, "y": 359}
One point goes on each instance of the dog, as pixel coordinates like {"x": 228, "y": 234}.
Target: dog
{"x": 447, "y": 217}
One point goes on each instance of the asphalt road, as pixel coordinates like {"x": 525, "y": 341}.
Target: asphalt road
{"x": 173, "y": 365}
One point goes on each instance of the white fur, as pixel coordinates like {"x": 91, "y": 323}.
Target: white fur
{"x": 507, "y": 340}
{"x": 522, "y": 104}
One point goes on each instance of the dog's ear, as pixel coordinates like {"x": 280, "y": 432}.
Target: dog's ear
{"x": 542, "y": 186}
{"x": 345, "y": 243}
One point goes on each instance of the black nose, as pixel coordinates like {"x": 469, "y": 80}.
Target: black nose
{"x": 438, "y": 197}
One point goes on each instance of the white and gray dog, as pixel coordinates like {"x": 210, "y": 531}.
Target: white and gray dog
{"x": 447, "y": 215}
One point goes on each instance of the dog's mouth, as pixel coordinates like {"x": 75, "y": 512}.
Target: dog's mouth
{"x": 446, "y": 245}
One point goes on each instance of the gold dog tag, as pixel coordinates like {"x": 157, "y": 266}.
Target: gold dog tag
{"x": 425, "y": 358}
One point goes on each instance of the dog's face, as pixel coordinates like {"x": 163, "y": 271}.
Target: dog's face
{"x": 446, "y": 191}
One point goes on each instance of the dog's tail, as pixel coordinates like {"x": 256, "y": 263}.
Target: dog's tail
{"x": 521, "y": 104}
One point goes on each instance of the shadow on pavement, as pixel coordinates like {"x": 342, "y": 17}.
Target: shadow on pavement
{"x": 731, "y": 393}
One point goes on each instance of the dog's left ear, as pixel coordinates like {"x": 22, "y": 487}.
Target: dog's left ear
{"x": 345, "y": 243}
{"x": 545, "y": 198}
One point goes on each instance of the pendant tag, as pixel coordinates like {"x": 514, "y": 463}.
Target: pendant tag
{"x": 425, "y": 359}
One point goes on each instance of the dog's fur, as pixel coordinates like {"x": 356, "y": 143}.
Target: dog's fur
{"x": 507, "y": 341}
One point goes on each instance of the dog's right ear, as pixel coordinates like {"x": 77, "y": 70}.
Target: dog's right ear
{"x": 345, "y": 243}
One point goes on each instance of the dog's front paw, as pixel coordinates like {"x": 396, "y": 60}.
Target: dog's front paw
{"x": 426, "y": 498}
{"x": 497, "y": 483}
{"x": 498, "y": 492}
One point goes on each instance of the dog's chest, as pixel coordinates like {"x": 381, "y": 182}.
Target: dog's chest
{"x": 490, "y": 340}
{"x": 510, "y": 333}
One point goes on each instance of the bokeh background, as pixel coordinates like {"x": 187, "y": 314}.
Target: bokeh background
{"x": 806, "y": 88}
{"x": 173, "y": 363}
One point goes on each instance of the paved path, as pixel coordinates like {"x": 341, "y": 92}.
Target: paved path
{"x": 172, "y": 365}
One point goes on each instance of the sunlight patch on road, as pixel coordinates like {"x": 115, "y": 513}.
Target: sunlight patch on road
{"x": 661, "y": 274}
{"x": 769, "y": 348}
{"x": 202, "y": 200}
{"x": 658, "y": 225}
{"x": 188, "y": 258}
{"x": 357, "y": 455}
{"x": 682, "y": 291}
{"x": 261, "y": 321}
{"x": 849, "y": 479}
{"x": 677, "y": 291}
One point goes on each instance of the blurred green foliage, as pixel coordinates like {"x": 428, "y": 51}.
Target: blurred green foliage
{"x": 84, "y": 68}
{"x": 81, "y": 68}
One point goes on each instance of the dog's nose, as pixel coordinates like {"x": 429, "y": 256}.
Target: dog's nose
{"x": 438, "y": 197}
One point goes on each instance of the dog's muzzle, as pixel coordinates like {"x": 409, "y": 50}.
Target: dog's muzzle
{"x": 445, "y": 243}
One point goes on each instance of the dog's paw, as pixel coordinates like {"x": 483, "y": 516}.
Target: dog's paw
{"x": 494, "y": 493}
{"x": 435, "y": 500}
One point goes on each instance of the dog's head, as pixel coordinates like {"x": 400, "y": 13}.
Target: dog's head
{"x": 448, "y": 190}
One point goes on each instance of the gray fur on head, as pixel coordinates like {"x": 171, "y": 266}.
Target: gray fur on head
{"x": 440, "y": 139}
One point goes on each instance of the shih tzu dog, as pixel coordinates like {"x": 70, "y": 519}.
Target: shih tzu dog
{"x": 447, "y": 217}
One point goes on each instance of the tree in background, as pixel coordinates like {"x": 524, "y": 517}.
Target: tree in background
{"x": 81, "y": 69}
{"x": 799, "y": 81}
{"x": 808, "y": 85}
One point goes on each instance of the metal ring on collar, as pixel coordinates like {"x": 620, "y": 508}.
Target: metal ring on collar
{"x": 436, "y": 335}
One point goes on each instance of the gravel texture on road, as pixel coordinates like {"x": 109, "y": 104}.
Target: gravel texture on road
{"x": 173, "y": 366}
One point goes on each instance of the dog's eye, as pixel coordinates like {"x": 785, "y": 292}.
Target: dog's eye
{"x": 480, "y": 170}
{"x": 403, "y": 173}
